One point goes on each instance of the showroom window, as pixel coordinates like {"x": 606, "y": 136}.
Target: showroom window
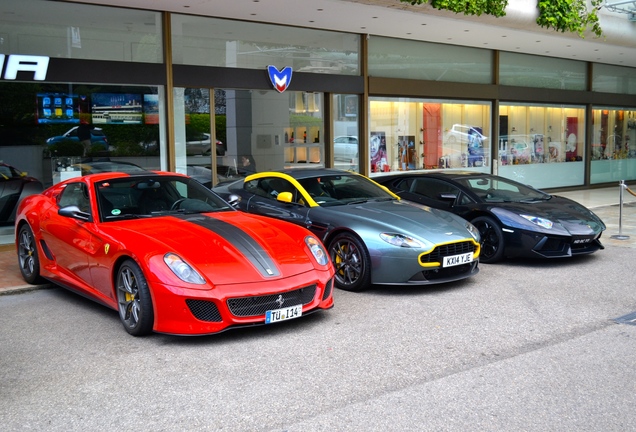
{"x": 399, "y": 58}
{"x": 41, "y": 128}
{"x": 613, "y": 79}
{"x": 542, "y": 145}
{"x": 80, "y": 31}
{"x": 411, "y": 134}
{"x": 256, "y": 130}
{"x": 346, "y": 145}
{"x": 542, "y": 72}
{"x": 235, "y": 44}
{"x": 613, "y": 145}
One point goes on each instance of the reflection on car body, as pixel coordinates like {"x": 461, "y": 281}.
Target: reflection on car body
{"x": 371, "y": 236}
{"x": 514, "y": 220}
{"x": 169, "y": 254}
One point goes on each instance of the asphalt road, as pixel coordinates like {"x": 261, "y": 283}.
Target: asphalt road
{"x": 530, "y": 346}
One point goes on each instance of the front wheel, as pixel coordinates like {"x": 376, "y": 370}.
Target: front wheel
{"x": 28, "y": 256}
{"x": 133, "y": 297}
{"x": 492, "y": 241}
{"x": 352, "y": 262}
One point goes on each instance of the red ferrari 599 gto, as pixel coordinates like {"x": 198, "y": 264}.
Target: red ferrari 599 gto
{"x": 169, "y": 254}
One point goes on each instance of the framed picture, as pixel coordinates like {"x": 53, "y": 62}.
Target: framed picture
{"x": 351, "y": 106}
{"x": 377, "y": 150}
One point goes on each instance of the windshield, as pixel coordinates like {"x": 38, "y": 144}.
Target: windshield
{"x": 343, "y": 189}
{"x": 499, "y": 189}
{"x": 149, "y": 196}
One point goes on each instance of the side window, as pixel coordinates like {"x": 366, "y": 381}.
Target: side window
{"x": 433, "y": 188}
{"x": 405, "y": 185}
{"x": 75, "y": 194}
{"x": 270, "y": 187}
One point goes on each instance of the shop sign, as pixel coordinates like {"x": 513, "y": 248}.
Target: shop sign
{"x": 24, "y": 63}
{"x": 280, "y": 78}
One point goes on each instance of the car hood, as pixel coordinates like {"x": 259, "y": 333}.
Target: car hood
{"x": 571, "y": 216}
{"x": 224, "y": 247}
{"x": 429, "y": 224}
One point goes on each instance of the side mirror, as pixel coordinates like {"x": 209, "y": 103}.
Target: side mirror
{"x": 74, "y": 212}
{"x": 447, "y": 196}
{"x": 285, "y": 197}
{"x": 234, "y": 200}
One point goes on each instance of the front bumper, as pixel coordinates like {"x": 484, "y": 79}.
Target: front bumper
{"x": 186, "y": 311}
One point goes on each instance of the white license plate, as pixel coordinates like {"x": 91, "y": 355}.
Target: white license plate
{"x": 454, "y": 260}
{"x": 283, "y": 314}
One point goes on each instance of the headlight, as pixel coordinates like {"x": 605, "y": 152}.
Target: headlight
{"x": 400, "y": 240}
{"x": 182, "y": 269}
{"x": 473, "y": 231}
{"x": 544, "y": 223}
{"x": 317, "y": 250}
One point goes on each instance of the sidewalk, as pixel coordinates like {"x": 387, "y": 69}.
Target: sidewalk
{"x": 603, "y": 202}
{"x": 12, "y": 281}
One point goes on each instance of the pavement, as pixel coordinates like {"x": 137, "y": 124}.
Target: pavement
{"x": 620, "y": 221}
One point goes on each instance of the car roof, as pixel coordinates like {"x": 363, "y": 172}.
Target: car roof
{"x": 303, "y": 173}
{"x": 441, "y": 174}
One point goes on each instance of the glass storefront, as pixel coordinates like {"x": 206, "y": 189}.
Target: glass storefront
{"x": 255, "y": 130}
{"x": 410, "y": 134}
{"x": 613, "y": 145}
{"x": 217, "y": 42}
{"x": 533, "y": 138}
{"x": 53, "y": 131}
{"x": 346, "y": 144}
{"x": 430, "y": 105}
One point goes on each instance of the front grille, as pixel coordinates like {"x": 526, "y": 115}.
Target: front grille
{"x": 328, "y": 289}
{"x": 204, "y": 310}
{"x": 258, "y": 305}
{"x": 450, "y": 249}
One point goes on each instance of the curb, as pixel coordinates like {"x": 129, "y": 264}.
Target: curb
{"x": 23, "y": 289}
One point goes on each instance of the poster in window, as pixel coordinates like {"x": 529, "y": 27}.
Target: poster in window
{"x": 351, "y": 106}
{"x": 377, "y": 150}
{"x": 122, "y": 108}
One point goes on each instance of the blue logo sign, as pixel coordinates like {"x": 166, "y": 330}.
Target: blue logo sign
{"x": 280, "y": 78}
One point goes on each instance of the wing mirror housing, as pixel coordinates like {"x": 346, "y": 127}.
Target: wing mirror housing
{"x": 285, "y": 197}
{"x": 74, "y": 212}
{"x": 234, "y": 200}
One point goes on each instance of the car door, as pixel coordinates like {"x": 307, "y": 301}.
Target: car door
{"x": 433, "y": 192}
{"x": 263, "y": 193}
{"x": 69, "y": 239}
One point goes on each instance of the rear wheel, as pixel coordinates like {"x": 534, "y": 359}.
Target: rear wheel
{"x": 133, "y": 297}
{"x": 28, "y": 256}
{"x": 352, "y": 262}
{"x": 492, "y": 241}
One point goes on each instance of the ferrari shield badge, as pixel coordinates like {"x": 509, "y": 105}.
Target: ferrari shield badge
{"x": 280, "y": 78}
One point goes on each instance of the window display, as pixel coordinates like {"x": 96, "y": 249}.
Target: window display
{"x": 414, "y": 134}
{"x": 613, "y": 149}
{"x": 532, "y": 138}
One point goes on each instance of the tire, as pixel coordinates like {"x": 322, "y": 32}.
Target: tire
{"x": 351, "y": 260}
{"x": 492, "y": 241}
{"x": 133, "y": 296}
{"x": 28, "y": 258}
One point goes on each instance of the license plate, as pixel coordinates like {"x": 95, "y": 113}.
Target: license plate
{"x": 454, "y": 260}
{"x": 283, "y": 314}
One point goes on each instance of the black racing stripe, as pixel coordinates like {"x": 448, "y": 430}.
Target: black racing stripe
{"x": 241, "y": 240}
